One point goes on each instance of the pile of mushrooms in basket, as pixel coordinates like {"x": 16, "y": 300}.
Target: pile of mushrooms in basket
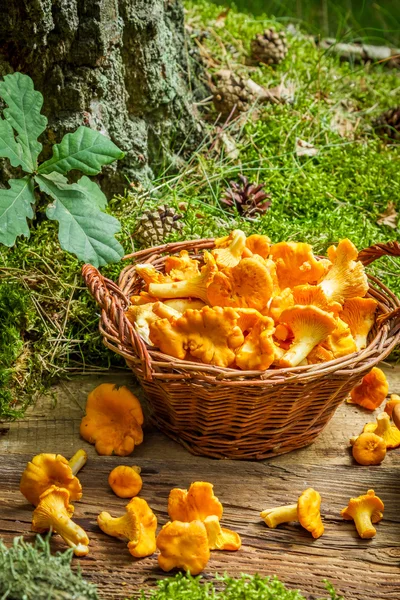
{"x": 251, "y": 305}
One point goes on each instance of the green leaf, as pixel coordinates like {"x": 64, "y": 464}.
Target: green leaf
{"x": 84, "y": 230}
{"x": 23, "y": 114}
{"x": 9, "y": 148}
{"x": 15, "y": 209}
{"x": 86, "y": 150}
{"x": 91, "y": 190}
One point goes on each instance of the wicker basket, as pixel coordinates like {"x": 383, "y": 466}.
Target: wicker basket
{"x": 228, "y": 413}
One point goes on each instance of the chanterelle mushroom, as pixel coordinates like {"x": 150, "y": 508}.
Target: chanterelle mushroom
{"x": 46, "y": 470}
{"x": 364, "y": 511}
{"x": 383, "y": 428}
{"x": 125, "y": 481}
{"x": 346, "y": 278}
{"x": 258, "y": 244}
{"x": 220, "y": 538}
{"x": 306, "y": 511}
{"x": 310, "y": 326}
{"x": 209, "y": 334}
{"x": 195, "y": 287}
{"x": 113, "y": 420}
{"x": 196, "y": 503}
{"x": 359, "y": 314}
{"x": 296, "y": 264}
{"x": 248, "y": 285}
{"x": 230, "y": 254}
{"x": 258, "y": 348}
{"x": 183, "y": 546}
{"x": 54, "y": 512}
{"x": 182, "y": 267}
{"x": 138, "y": 526}
{"x": 372, "y": 390}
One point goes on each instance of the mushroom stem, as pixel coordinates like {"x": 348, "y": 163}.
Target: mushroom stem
{"x": 71, "y": 533}
{"x": 78, "y": 461}
{"x": 281, "y": 514}
{"x": 363, "y": 523}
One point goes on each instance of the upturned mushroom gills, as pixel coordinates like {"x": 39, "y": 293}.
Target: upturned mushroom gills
{"x": 306, "y": 512}
{"x": 346, "y": 278}
{"x": 138, "y": 526}
{"x": 46, "y": 470}
{"x": 220, "y": 538}
{"x": 364, "y": 511}
{"x": 383, "y": 428}
{"x": 230, "y": 255}
{"x": 78, "y": 461}
{"x": 310, "y": 326}
{"x": 54, "y": 512}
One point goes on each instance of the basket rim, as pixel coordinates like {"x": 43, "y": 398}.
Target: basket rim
{"x": 121, "y": 336}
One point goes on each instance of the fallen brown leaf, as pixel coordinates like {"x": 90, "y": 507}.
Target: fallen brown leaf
{"x": 220, "y": 20}
{"x": 389, "y": 217}
{"x": 304, "y": 148}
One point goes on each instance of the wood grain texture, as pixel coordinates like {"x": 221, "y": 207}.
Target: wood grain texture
{"x": 360, "y": 569}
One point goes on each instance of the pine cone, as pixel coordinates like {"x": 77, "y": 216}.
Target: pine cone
{"x": 269, "y": 47}
{"x": 249, "y": 199}
{"x": 232, "y": 91}
{"x": 388, "y": 124}
{"x": 155, "y": 225}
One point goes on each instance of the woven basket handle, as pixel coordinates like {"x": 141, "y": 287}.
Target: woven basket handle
{"x": 369, "y": 255}
{"x": 114, "y": 325}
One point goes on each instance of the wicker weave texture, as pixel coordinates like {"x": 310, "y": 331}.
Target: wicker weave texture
{"x": 227, "y": 413}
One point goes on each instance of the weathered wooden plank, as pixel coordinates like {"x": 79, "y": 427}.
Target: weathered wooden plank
{"x": 361, "y": 569}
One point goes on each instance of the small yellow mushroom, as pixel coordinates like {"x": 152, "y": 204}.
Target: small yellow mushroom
{"x": 389, "y": 433}
{"x": 306, "y": 511}
{"x": 220, "y": 538}
{"x": 364, "y": 511}
{"x": 125, "y": 481}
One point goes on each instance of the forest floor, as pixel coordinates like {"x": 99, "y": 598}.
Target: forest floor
{"x": 345, "y": 184}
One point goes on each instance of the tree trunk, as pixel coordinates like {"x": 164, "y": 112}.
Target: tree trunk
{"x": 119, "y": 66}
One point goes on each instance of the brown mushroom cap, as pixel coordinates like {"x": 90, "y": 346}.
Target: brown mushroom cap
{"x": 308, "y": 512}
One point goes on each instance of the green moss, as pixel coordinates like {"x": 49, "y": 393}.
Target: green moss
{"x": 245, "y": 587}
{"x": 338, "y": 193}
{"x": 31, "y": 572}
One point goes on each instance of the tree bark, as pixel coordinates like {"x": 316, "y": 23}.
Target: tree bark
{"x": 119, "y": 66}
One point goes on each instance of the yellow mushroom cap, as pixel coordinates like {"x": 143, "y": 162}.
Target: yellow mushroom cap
{"x": 383, "y": 428}
{"x": 125, "y": 481}
{"x": 113, "y": 420}
{"x": 258, "y": 244}
{"x": 368, "y": 449}
{"x": 54, "y": 512}
{"x": 372, "y": 390}
{"x": 46, "y": 470}
{"x": 197, "y": 503}
{"x": 258, "y": 349}
{"x": 296, "y": 264}
{"x": 308, "y": 511}
{"x": 364, "y": 510}
{"x": 183, "y": 546}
